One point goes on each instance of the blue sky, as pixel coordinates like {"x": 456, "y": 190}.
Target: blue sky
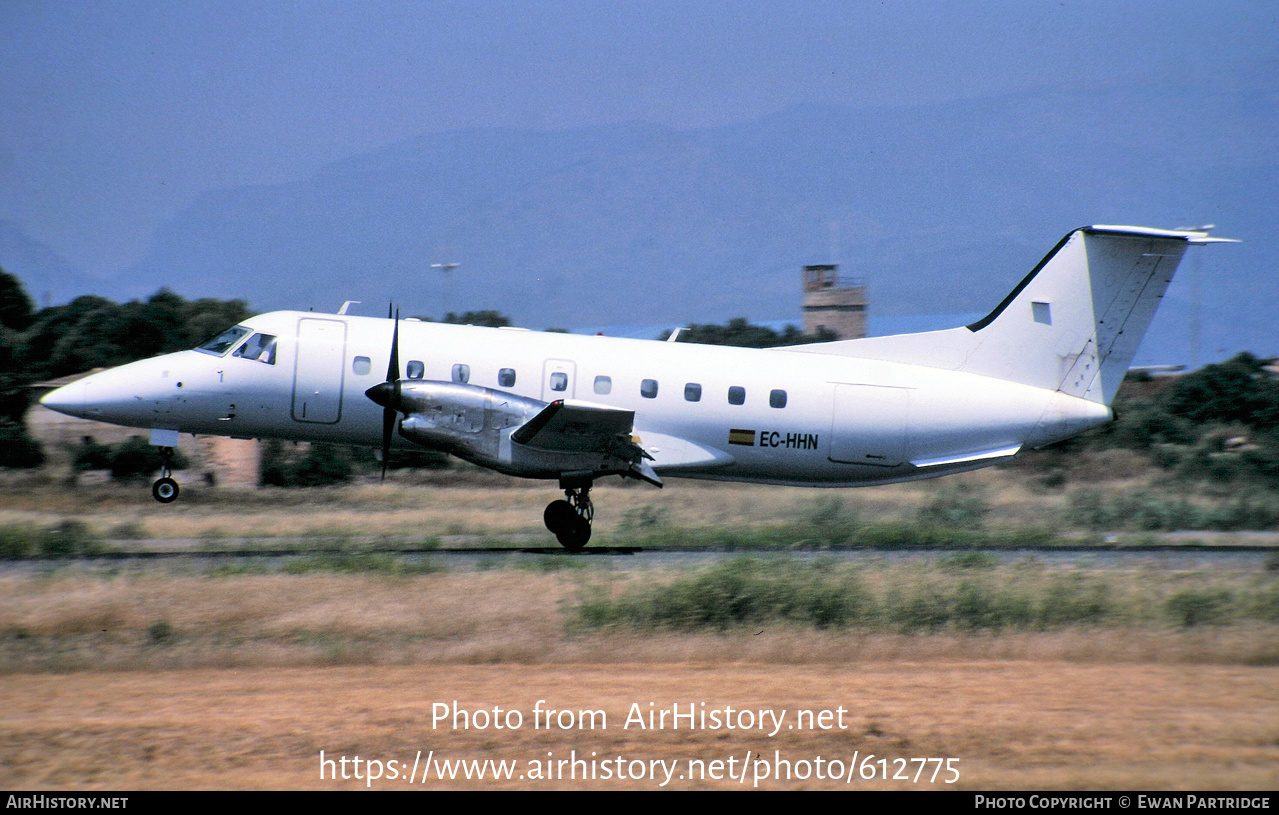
{"x": 118, "y": 114}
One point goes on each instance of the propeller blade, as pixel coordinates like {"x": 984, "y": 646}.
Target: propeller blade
{"x": 388, "y": 427}
{"x": 393, "y": 379}
{"x": 393, "y": 367}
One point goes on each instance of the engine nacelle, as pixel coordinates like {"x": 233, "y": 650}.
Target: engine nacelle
{"x": 465, "y": 420}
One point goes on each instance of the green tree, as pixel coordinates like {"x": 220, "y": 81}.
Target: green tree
{"x": 488, "y": 317}
{"x": 13, "y": 379}
{"x": 93, "y": 332}
{"x": 90, "y": 332}
{"x": 167, "y": 312}
{"x": 90, "y": 455}
{"x": 45, "y": 349}
{"x": 320, "y": 466}
{"x": 16, "y": 309}
{"x": 132, "y": 458}
{"x": 1237, "y": 390}
{"x": 742, "y": 333}
{"x": 17, "y": 448}
{"x": 205, "y": 318}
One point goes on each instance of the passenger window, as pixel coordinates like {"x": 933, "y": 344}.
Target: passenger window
{"x": 777, "y": 398}
{"x": 506, "y": 378}
{"x": 417, "y": 369}
{"x": 603, "y": 384}
{"x": 461, "y": 373}
{"x": 361, "y": 365}
{"x": 260, "y": 347}
{"x": 736, "y": 395}
{"x": 648, "y": 389}
{"x": 692, "y": 392}
{"x": 559, "y": 381}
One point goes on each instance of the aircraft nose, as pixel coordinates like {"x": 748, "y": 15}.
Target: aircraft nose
{"x": 68, "y": 399}
{"x": 136, "y": 395}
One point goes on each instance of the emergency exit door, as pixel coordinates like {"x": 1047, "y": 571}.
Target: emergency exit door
{"x": 559, "y": 379}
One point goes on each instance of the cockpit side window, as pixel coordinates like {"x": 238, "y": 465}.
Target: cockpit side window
{"x": 260, "y": 347}
{"x": 219, "y": 345}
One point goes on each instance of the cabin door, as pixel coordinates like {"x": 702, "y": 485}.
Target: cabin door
{"x": 317, "y": 373}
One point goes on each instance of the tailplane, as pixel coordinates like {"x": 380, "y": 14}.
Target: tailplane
{"x": 1072, "y": 325}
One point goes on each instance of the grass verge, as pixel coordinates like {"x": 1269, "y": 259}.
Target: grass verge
{"x": 965, "y": 592}
{"x": 379, "y": 609}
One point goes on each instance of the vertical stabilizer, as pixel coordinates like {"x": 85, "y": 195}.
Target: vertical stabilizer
{"x": 1076, "y": 321}
{"x": 1072, "y": 325}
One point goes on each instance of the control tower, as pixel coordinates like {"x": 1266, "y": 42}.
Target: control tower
{"x": 833, "y": 304}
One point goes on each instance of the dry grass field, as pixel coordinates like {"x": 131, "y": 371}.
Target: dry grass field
{"x": 1010, "y": 724}
{"x": 476, "y": 503}
{"x": 197, "y": 675}
{"x": 169, "y": 617}
{"x": 254, "y": 674}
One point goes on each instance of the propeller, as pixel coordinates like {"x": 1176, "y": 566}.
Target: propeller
{"x": 387, "y": 394}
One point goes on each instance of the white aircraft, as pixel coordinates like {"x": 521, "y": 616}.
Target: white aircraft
{"x": 1040, "y": 368}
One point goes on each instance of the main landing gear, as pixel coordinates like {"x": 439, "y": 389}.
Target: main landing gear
{"x": 165, "y": 489}
{"x": 570, "y": 519}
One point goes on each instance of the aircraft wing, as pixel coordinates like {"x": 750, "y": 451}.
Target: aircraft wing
{"x": 575, "y": 427}
{"x": 581, "y": 427}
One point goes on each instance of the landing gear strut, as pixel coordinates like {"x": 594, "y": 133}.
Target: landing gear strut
{"x": 165, "y": 490}
{"x": 570, "y": 519}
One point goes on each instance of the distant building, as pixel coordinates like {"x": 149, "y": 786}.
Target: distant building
{"x": 832, "y": 304}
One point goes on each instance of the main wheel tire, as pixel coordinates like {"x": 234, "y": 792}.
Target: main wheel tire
{"x": 558, "y": 516}
{"x": 165, "y": 490}
{"x": 576, "y": 535}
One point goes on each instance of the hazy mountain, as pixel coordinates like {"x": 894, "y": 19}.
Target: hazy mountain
{"x": 47, "y": 276}
{"x": 942, "y": 208}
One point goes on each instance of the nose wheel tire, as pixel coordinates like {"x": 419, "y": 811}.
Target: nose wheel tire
{"x": 165, "y": 490}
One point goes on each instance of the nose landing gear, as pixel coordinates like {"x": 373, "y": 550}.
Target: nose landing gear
{"x": 165, "y": 489}
{"x": 570, "y": 519}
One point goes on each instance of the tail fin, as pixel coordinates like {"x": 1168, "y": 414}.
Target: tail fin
{"x": 1072, "y": 325}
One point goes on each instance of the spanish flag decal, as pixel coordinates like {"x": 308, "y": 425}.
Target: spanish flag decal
{"x": 746, "y": 437}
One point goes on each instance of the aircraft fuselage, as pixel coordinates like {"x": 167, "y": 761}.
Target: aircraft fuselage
{"x": 774, "y": 415}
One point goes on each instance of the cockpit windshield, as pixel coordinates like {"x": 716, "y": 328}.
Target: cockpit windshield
{"x": 260, "y": 347}
{"x": 225, "y": 341}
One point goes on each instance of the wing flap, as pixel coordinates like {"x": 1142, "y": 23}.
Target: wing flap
{"x": 577, "y": 427}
